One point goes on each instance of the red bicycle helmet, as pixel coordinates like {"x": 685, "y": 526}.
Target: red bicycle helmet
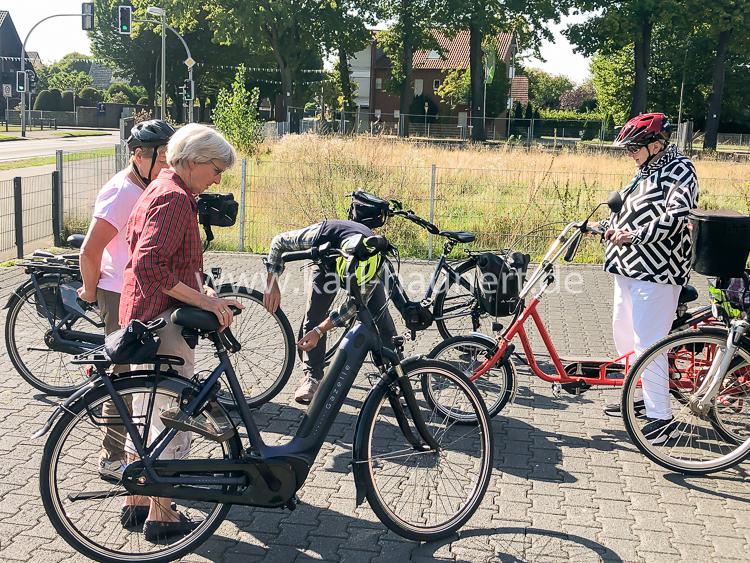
{"x": 644, "y": 129}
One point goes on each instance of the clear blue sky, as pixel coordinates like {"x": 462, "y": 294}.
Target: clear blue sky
{"x": 54, "y": 39}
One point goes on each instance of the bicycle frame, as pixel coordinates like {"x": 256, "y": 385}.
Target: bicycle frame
{"x": 561, "y": 376}
{"x": 273, "y": 473}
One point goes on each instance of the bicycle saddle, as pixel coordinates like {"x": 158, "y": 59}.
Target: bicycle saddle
{"x": 459, "y": 236}
{"x": 687, "y": 294}
{"x": 75, "y": 240}
{"x": 198, "y": 319}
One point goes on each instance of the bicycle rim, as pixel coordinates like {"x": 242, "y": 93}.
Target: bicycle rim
{"x": 457, "y": 308}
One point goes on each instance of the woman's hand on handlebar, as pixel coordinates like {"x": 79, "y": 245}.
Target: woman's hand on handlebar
{"x": 619, "y": 237}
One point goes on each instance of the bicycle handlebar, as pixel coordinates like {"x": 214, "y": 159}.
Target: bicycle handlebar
{"x": 416, "y": 219}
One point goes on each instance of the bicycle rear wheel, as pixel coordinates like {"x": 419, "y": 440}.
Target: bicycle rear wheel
{"x": 693, "y": 443}
{"x": 419, "y": 493}
{"x": 457, "y": 310}
{"x": 266, "y": 360}
{"x": 26, "y": 340}
{"x": 85, "y": 507}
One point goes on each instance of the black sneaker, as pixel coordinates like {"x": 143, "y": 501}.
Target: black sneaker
{"x": 133, "y": 516}
{"x": 615, "y": 409}
{"x": 659, "y": 431}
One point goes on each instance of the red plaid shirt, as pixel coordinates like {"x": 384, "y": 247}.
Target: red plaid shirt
{"x": 164, "y": 248}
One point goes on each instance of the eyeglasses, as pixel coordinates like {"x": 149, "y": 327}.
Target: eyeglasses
{"x": 217, "y": 170}
{"x": 632, "y": 149}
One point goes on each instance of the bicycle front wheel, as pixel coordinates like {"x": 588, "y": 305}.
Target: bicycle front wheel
{"x": 467, "y": 353}
{"x": 420, "y": 493}
{"x": 266, "y": 360}
{"x": 85, "y": 506}
{"x": 27, "y": 332}
{"x": 695, "y": 441}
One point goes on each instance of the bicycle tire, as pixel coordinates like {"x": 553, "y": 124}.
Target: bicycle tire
{"x": 365, "y": 462}
{"x": 39, "y": 373}
{"x": 688, "y": 358}
{"x": 276, "y": 369}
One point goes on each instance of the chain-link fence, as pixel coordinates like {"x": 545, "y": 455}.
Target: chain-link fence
{"x": 83, "y": 175}
{"x": 7, "y": 220}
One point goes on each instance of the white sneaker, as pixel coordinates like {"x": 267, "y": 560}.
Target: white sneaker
{"x": 305, "y": 392}
{"x": 112, "y": 469}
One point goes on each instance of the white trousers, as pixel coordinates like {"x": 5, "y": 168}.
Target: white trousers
{"x": 643, "y": 314}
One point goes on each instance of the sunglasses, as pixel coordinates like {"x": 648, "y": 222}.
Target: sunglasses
{"x": 632, "y": 149}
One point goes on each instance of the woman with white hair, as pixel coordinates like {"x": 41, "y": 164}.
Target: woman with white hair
{"x": 164, "y": 271}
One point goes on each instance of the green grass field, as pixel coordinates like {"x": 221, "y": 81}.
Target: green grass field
{"x": 46, "y": 160}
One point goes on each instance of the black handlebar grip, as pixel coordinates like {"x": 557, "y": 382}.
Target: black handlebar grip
{"x": 377, "y": 242}
{"x": 297, "y": 256}
{"x": 230, "y": 342}
{"x": 235, "y": 310}
{"x": 572, "y": 250}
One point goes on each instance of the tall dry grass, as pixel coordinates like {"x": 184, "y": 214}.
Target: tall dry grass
{"x": 509, "y": 197}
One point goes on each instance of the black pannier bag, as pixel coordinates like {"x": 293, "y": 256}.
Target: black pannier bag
{"x": 217, "y": 210}
{"x": 499, "y": 281}
{"x": 720, "y": 242}
{"x": 368, "y": 209}
{"x": 134, "y": 344}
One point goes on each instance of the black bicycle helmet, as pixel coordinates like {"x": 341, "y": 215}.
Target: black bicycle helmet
{"x": 153, "y": 133}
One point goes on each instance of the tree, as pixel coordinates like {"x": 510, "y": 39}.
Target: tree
{"x": 69, "y": 80}
{"x": 127, "y": 92}
{"x": 55, "y": 99}
{"x": 613, "y": 77}
{"x": 72, "y": 63}
{"x": 529, "y": 112}
{"x": 89, "y": 97}
{"x": 454, "y": 89}
{"x": 417, "y": 113}
{"x": 545, "y": 89}
{"x": 236, "y": 114}
{"x": 411, "y": 30}
{"x": 616, "y": 25}
{"x": 68, "y": 101}
{"x": 578, "y": 99}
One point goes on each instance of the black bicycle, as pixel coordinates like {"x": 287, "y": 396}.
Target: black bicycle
{"x": 422, "y": 475}
{"x": 46, "y": 325}
{"x": 452, "y": 299}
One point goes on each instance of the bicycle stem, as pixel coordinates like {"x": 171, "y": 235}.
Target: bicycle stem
{"x": 555, "y": 251}
{"x": 700, "y": 404}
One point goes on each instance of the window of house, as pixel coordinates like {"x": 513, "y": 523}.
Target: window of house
{"x": 378, "y": 83}
{"x": 418, "y": 86}
{"x": 377, "y": 113}
{"x": 433, "y": 54}
{"x": 511, "y": 71}
{"x": 435, "y": 84}
{"x": 396, "y": 114}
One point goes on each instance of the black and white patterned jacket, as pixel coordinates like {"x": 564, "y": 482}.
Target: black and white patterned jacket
{"x": 656, "y": 207}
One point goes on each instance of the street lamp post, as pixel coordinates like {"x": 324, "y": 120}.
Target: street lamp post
{"x": 159, "y": 12}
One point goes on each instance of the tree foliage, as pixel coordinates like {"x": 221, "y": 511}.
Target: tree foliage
{"x": 545, "y": 89}
{"x": 236, "y": 115}
{"x": 579, "y": 98}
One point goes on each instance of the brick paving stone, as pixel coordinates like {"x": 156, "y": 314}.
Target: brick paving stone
{"x": 567, "y": 484}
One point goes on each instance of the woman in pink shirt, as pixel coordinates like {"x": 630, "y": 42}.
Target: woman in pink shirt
{"x": 104, "y": 253}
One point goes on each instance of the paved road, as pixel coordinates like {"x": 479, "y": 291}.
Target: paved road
{"x": 567, "y": 485}
{"x": 16, "y": 150}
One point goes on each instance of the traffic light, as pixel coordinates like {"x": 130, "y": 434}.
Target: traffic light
{"x": 125, "y": 18}
{"x": 21, "y": 81}
{"x": 87, "y": 16}
{"x": 189, "y": 91}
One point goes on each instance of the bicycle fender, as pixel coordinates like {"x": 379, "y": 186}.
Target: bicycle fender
{"x": 359, "y": 457}
{"x": 16, "y": 295}
{"x": 62, "y": 407}
{"x": 493, "y": 342}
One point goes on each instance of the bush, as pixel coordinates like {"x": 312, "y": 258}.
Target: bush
{"x": 236, "y": 115}
{"x": 125, "y": 90}
{"x": 55, "y": 99}
{"x": 119, "y": 98}
{"x": 416, "y": 110}
{"x": 89, "y": 97}
{"x": 66, "y": 104}
{"x": 143, "y": 101}
{"x": 591, "y": 130}
{"x": 43, "y": 101}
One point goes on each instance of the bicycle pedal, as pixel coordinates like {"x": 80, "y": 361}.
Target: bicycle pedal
{"x": 218, "y": 430}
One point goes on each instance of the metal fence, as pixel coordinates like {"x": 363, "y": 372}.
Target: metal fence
{"x": 504, "y": 207}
